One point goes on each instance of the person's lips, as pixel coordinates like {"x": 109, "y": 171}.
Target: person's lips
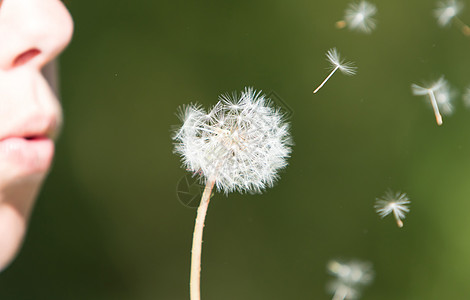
{"x": 29, "y": 148}
{"x": 32, "y": 154}
{"x": 30, "y": 117}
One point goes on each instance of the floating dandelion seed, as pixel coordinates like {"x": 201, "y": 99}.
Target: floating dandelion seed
{"x": 439, "y": 94}
{"x": 336, "y": 62}
{"x": 447, "y": 11}
{"x": 240, "y": 144}
{"x": 353, "y": 272}
{"x": 351, "y": 277}
{"x": 359, "y": 17}
{"x": 393, "y": 202}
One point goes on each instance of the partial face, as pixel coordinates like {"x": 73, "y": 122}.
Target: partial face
{"x": 32, "y": 34}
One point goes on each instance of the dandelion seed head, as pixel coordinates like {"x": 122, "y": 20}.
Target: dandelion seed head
{"x": 393, "y": 202}
{"x": 335, "y": 60}
{"x": 446, "y": 11}
{"x": 242, "y": 142}
{"x": 359, "y": 16}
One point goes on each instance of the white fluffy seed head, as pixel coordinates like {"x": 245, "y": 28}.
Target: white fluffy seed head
{"x": 359, "y": 16}
{"x": 241, "y": 143}
{"x": 335, "y": 60}
{"x": 393, "y": 202}
{"x": 446, "y": 11}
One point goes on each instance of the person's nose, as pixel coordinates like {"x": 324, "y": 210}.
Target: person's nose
{"x": 32, "y": 32}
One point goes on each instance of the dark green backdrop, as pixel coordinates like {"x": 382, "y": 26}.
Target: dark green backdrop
{"x": 108, "y": 224}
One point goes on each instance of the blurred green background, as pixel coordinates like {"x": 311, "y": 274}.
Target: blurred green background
{"x": 108, "y": 223}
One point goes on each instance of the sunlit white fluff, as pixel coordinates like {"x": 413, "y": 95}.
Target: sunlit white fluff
{"x": 359, "y": 16}
{"x": 354, "y": 271}
{"x": 446, "y": 11}
{"x": 241, "y": 143}
{"x": 337, "y": 63}
{"x": 440, "y": 96}
{"x": 444, "y": 97}
{"x": 350, "y": 278}
{"x": 393, "y": 202}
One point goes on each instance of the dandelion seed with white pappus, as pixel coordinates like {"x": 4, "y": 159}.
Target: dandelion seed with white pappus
{"x": 350, "y": 278}
{"x": 440, "y": 96}
{"x": 239, "y": 145}
{"x": 396, "y": 203}
{"x": 333, "y": 57}
{"x": 447, "y": 11}
{"x": 359, "y": 17}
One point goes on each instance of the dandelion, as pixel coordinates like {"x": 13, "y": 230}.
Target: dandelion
{"x": 350, "y": 278}
{"x": 336, "y": 63}
{"x": 239, "y": 145}
{"x": 439, "y": 94}
{"x": 447, "y": 11}
{"x": 393, "y": 202}
{"x": 359, "y": 17}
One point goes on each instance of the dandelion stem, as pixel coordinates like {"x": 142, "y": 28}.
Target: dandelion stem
{"x": 462, "y": 26}
{"x": 194, "y": 285}
{"x": 399, "y": 223}
{"x": 435, "y": 107}
{"x": 326, "y": 79}
{"x": 340, "y": 24}
{"x": 340, "y": 293}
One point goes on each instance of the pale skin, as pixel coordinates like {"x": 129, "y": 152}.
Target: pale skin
{"x": 32, "y": 34}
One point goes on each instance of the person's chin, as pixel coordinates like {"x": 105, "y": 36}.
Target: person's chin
{"x": 24, "y": 163}
{"x": 11, "y": 233}
{"x": 18, "y": 190}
